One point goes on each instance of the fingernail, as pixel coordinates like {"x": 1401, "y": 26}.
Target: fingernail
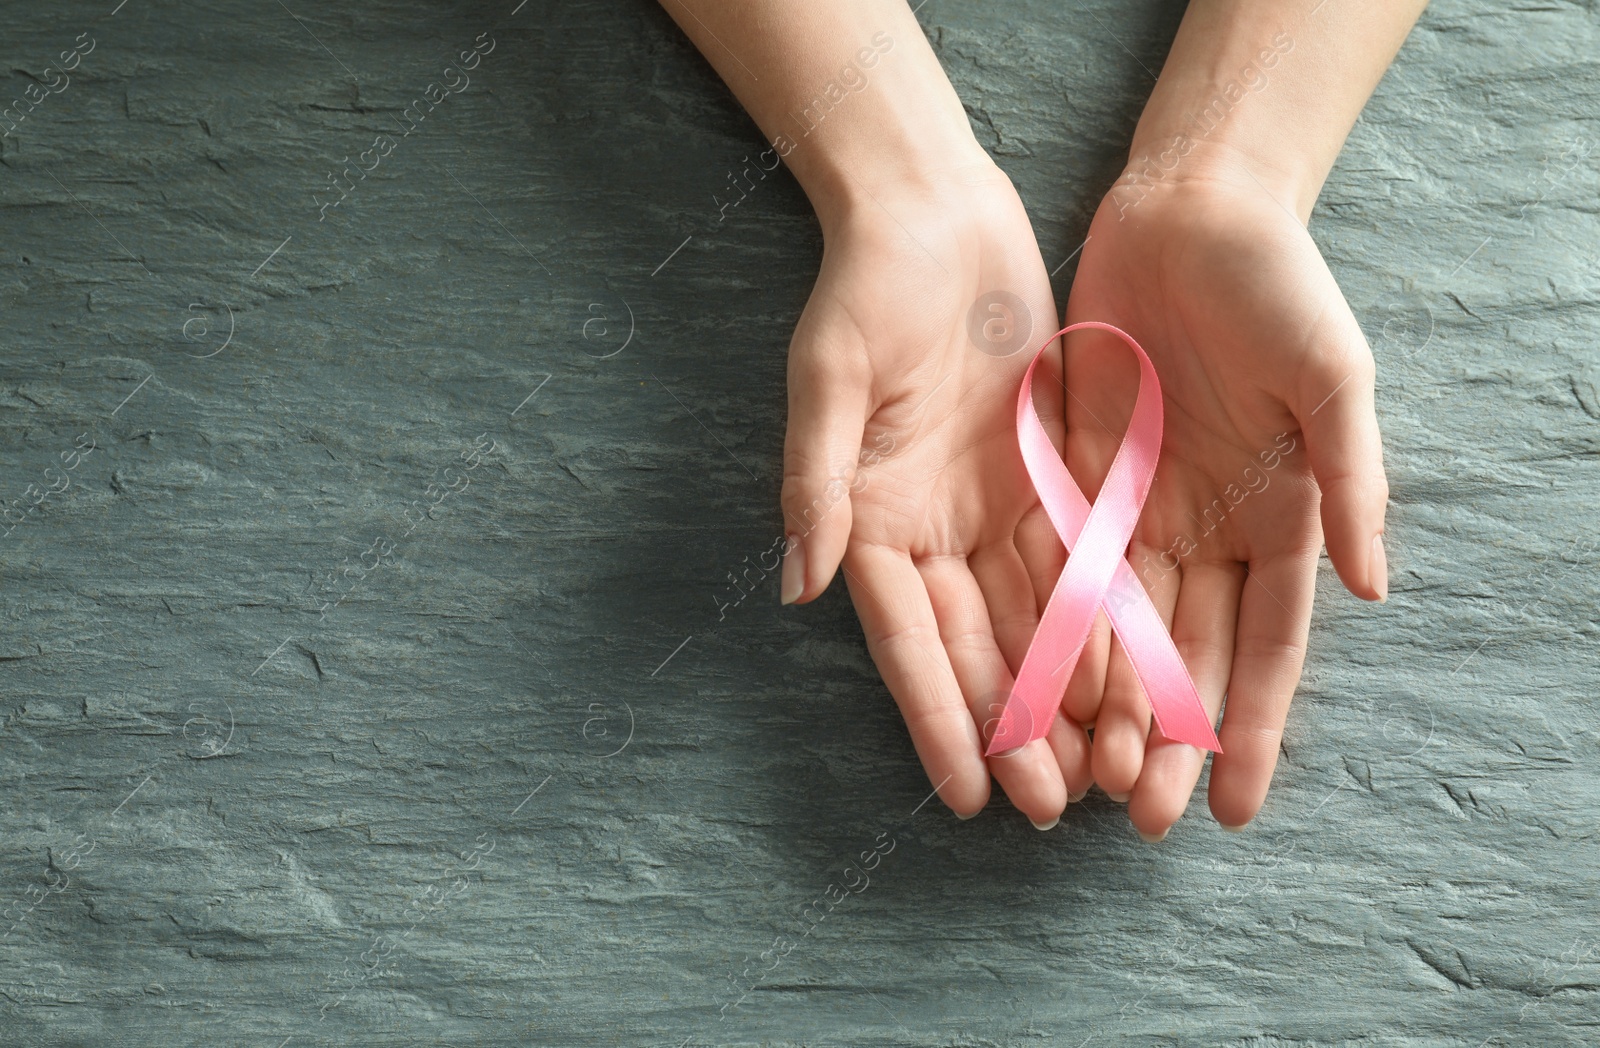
{"x": 963, "y": 818}
{"x": 1120, "y": 798}
{"x": 1378, "y": 569}
{"x": 1042, "y": 826}
{"x": 1153, "y": 838}
{"x": 1233, "y": 829}
{"x": 1074, "y": 798}
{"x": 794, "y": 570}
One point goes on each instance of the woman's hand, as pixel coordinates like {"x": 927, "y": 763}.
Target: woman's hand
{"x": 901, "y": 459}
{"x": 1201, "y": 253}
{"x": 1268, "y": 389}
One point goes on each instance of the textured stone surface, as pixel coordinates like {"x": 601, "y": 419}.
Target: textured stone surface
{"x": 216, "y": 801}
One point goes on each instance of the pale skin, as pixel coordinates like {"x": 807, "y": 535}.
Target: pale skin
{"x": 1204, "y": 258}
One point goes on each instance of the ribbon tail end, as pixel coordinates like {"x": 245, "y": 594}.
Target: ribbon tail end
{"x": 1013, "y": 731}
{"x": 1200, "y": 736}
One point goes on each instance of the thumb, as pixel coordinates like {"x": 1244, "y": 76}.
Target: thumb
{"x": 1337, "y": 416}
{"x": 827, "y": 415}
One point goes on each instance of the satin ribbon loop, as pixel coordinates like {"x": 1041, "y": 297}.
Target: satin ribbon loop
{"x": 1098, "y": 574}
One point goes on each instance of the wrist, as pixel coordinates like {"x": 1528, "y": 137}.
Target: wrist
{"x": 1231, "y": 106}
{"x": 850, "y": 97}
{"x": 871, "y": 134}
{"x": 1220, "y": 120}
{"x": 891, "y": 189}
{"x": 1254, "y": 96}
{"x": 1169, "y": 157}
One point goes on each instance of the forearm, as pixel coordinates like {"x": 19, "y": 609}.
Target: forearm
{"x": 1252, "y": 85}
{"x": 847, "y": 92}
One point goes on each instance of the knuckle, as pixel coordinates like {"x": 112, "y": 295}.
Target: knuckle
{"x": 807, "y": 499}
{"x": 1276, "y": 655}
{"x": 903, "y": 634}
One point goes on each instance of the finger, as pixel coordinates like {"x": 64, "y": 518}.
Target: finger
{"x": 827, "y": 414}
{"x": 1086, "y": 691}
{"x": 1123, "y": 725}
{"x": 1029, "y": 774}
{"x": 1070, "y": 744}
{"x": 1045, "y": 556}
{"x": 1274, "y": 619}
{"x": 1008, "y": 594}
{"x": 1042, "y": 553}
{"x": 1087, "y": 688}
{"x": 1011, "y": 596}
{"x": 1203, "y": 628}
{"x": 903, "y": 637}
{"x": 1337, "y": 417}
{"x": 1050, "y": 396}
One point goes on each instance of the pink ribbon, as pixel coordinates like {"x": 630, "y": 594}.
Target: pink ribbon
{"x": 1098, "y": 575}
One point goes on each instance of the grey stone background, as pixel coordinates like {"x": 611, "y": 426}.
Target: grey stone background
{"x": 522, "y": 786}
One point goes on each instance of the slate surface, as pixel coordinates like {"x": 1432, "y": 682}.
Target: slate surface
{"x": 519, "y": 785}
